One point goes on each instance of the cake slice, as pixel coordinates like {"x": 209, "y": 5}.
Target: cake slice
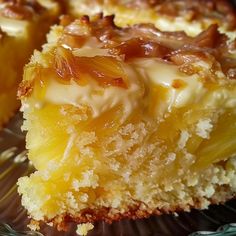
{"x": 23, "y": 27}
{"x": 168, "y": 15}
{"x": 128, "y": 122}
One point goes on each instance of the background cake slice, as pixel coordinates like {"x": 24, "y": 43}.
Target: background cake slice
{"x": 128, "y": 122}
{"x": 24, "y": 25}
{"x": 168, "y": 15}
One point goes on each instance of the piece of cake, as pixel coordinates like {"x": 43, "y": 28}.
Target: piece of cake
{"x": 128, "y": 122}
{"x": 168, "y": 15}
{"x": 23, "y": 27}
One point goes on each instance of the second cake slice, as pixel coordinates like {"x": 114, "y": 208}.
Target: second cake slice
{"x": 24, "y": 25}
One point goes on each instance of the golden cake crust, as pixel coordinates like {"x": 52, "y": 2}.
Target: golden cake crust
{"x": 110, "y": 215}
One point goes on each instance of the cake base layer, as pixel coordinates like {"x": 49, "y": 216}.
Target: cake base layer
{"x": 214, "y": 185}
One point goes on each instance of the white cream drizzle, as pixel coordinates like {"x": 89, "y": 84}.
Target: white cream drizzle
{"x": 156, "y": 72}
{"x": 100, "y": 99}
{"x": 143, "y": 74}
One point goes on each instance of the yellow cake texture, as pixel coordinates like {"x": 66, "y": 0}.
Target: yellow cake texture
{"x": 128, "y": 122}
{"x": 24, "y": 25}
{"x": 167, "y": 15}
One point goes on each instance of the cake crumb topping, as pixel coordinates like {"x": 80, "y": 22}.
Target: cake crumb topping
{"x": 204, "y": 127}
{"x": 83, "y": 229}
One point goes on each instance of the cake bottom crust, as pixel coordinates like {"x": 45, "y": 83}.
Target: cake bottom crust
{"x": 140, "y": 210}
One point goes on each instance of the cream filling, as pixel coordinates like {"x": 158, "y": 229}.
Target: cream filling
{"x": 100, "y": 99}
{"x": 163, "y": 23}
{"x": 191, "y": 28}
{"x": 14, "y": 27}
{"x": 143, "y": 75}
{"x": 125, "y": 16}
{"x": 156, "y": 72}
{"x": 193, "y": 91}
{"x": 179, "y": 24}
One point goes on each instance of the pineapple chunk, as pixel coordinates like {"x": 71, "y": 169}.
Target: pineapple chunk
{"x": 126, "y": 122}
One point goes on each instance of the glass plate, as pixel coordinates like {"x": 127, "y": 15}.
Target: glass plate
{"x": 13, "y": 217}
